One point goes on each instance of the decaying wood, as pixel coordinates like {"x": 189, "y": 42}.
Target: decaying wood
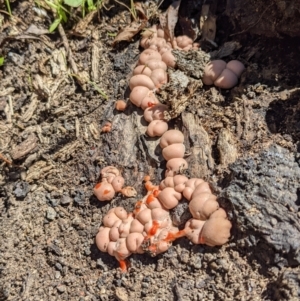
{"x": 192, "y": 63}
{"x": 80, "y": 27}
{"x": 66, "y": 151}
{"x": 30, "y": 110}
{"x": 24, "y": 147}
{"x": 177, "y": 93}
{"x": 227, "y": 147}
{"x": 95, "y": 62}
{"x": 39, "y": 170}
{"x": 198, "y": 146}
{"x": 68, "y": 49}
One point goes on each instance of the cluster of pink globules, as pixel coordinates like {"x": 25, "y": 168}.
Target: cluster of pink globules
{"x": 150, "y": 75}
{"x": 149, "y": 227}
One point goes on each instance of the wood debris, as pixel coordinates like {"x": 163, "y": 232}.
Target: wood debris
{"x": 169, "y": 20}
{"x": 139, "y": 23}
{"x": 24, "y": 148}
{"x": 130, "y": 31}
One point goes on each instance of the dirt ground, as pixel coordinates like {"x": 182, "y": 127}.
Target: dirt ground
{"x": 244, "y": 141}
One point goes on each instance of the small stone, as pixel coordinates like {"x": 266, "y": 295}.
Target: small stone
{"x": 87, "y": 251}
{"x": 121, "y": 294}
{"x": 96, "y": 217}
{"x": 61, "y": 288}
{"x": 101, "y": 264}
{"x": 223, "y": 263}
{"x": 54, "y": 202}
{"x": 273, "y": 221}
{"x": 79, "y": 197}
{"x": 25, "y": 147}
{"x": 50, "y": 214}
{"x": 160, "y": 265}
{"x": 200, "y": 283}
{"x": 187, "y": 284}
{"x": 57, "y": 275}
{"x": 58, "y": 266}
{"x": 33, "y": 187}
{"x": 82, "y": 179}
{"x": 21, "y": 189}
{"x": 147, "y": 279}
{"x": 65, "y": 200}
{"x": 213, "y": 265}
{"x": 68, "y": 126}
{"x": 196, "y": 262}
{"x": 91, "y": 152}
{"x": 174, "y": 262}
{"x": 185, "y": 257}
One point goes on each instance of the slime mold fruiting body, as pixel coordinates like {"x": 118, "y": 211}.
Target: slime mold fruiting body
{"x": 223, "y": 75}
{"x": 112, "y": 183}
{"x": 149, "y": 227}
{"x": 150, "y": 75}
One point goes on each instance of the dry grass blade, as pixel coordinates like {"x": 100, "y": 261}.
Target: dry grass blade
{"x": 140, "y": 11}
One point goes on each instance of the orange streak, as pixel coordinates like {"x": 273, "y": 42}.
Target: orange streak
{"x": 152, "y": 249}
{"x": 137, "y": 207}
{"x": 98, "y": 186}
{"x": 172, "y": 236}
{"x": 201, "y": 240}
{"x": 149, "y": 186}
{"x": 151, "y": 104}
{"x": 156, "y": 192}
{"x": 154, "y": 228}
{"x": 150, "y": 199}
{"x": 123, "y": 265}
{"x": 106, "y": 191}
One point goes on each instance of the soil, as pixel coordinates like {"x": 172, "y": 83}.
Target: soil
{"x": 244, "y": 141}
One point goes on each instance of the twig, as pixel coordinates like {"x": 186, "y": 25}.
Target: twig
{"x": 10, "y": 105}
{"x": 9, "y": 162}
{"x": 68, "y": 49}
{"x": 161, "y": 2}
{"x": 5, "y": 159}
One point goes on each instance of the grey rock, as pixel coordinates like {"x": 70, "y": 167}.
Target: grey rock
{"x": 58, "y": 266}
{"x": 66, "y": 200}
{"x": 87, "y": 251}
{"x": 287, "y": 286}
{"x": 263, "y": 190}
{"x": 79, "y": 197}
{"x": 21, "y": 189}
{"x": 181, "y": 214}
